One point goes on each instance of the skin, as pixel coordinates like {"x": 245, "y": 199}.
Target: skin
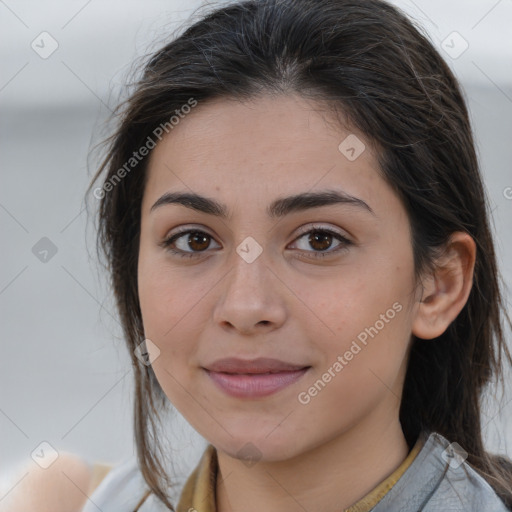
{"x": 327, "y": 454}
{"x": 62, "y": 487}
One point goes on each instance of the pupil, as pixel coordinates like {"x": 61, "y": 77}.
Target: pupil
{"x": 325, "y": 243}
{"x": 197, "y": 237}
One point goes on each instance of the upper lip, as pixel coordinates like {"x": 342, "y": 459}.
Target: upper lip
{"x": 259, "y": 365}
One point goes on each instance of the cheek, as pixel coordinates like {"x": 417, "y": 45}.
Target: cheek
{"x": 156, "y": 303}
{"x": 165, "y": 296}
{"x": 173, "y": 314}
{"x": 361, "y": 367}
{"x": 168, "y": 322}
{"x": 365, "y": 315}
{"x": 354, "y": 299}
{"x": 162, "y": 305}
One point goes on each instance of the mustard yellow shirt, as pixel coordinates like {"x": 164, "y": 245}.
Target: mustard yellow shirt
{"x": 200, "y": 489}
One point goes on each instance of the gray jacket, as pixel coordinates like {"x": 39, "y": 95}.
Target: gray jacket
{"x": 438, "y": 480}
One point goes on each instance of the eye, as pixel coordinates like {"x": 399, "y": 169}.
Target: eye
{"x": 194, "y": 239}
{"x": 321, "y": 240}
{"x": 190, "y": 243}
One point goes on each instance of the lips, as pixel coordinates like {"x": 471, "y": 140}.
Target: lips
{"x": 262, "y": 365}
{"x": 253, "y": 379}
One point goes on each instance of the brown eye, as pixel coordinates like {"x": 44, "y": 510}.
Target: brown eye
{"x": 321, "y": 240}
{"x": 188, "y": 243}
{"x": 198, "y": 241}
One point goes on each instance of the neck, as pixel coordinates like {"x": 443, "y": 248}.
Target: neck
{"x": 327, "y": 478}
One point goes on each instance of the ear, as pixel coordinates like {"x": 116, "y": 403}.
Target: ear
{"x": 446, "y": 288}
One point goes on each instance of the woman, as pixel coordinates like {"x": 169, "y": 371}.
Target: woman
{"x": 298, "y": 237}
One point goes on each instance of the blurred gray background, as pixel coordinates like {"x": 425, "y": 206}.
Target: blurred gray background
{"x": 65, "y": 375}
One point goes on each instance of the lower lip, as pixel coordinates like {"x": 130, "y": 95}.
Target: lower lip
{"x": 254, "y": 385}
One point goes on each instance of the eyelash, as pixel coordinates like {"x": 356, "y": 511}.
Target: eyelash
{"x": 345, "y": 242}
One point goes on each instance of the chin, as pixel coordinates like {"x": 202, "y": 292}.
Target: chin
{"x": 252, "y": 446}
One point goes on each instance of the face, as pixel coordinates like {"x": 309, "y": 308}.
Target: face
{"x": 326, "y": 284}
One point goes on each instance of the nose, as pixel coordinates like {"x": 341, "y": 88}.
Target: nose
{"x": 252, "y": 297}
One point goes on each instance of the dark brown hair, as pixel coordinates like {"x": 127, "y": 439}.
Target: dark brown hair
{"x": 374, "y": 66}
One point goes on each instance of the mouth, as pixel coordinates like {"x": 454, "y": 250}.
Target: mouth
{"x": 261, "y": 365}
{"x": 255, "y": 384}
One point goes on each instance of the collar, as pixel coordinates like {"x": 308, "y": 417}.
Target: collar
{"x": 200, "y": 488}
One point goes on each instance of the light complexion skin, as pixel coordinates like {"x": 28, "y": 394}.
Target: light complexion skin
{"x": 291, "y": 303}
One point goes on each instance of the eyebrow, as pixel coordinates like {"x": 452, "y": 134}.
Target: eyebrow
{"x": 279, "y": 208}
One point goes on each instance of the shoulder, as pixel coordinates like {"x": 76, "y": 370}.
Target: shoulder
{"x": 61, "y": 486}
{"x": 461, "y": 486}
{"x": 99, "y": 472}
{"x": 120, "y": 488}
{"x": 440, "y": 479}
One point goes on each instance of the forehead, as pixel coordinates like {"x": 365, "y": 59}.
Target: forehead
{"x": 262, "y": 148}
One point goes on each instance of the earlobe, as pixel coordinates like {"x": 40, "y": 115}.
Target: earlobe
{"x": 447, "y": 287}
